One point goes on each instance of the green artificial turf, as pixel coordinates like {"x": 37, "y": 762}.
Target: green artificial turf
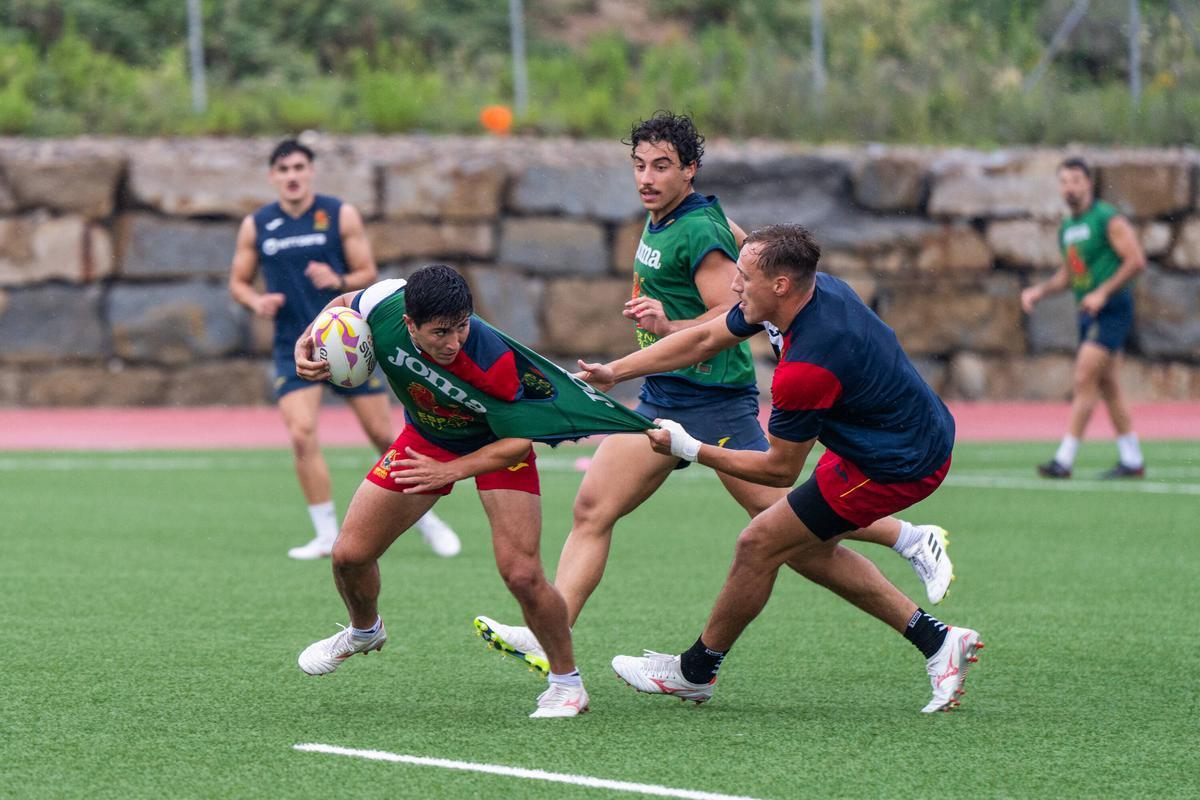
{"x": 152, "y": 624}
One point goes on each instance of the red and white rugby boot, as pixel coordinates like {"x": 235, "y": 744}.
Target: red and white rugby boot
{"x": 561, "y": 700}
{"x": 947, "y": 668}
{"x": 323, "y": 657}
{"x": 659, "y": 673}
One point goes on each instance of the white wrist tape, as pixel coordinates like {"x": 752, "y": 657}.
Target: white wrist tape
{"x": 683, "y": 444}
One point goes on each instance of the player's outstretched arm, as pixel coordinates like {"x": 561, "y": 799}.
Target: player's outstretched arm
{"x": 779, "y": 466}
{"x": 357, "y": 250}
{"x": 1032, "y": 295}
{"x": 421, "y": 473}
{"x": 688, "y": 346}
{"x": 243, "y": 270}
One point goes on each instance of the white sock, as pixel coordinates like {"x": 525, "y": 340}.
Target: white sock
{"x": 325, "y": 523}
{"x": 1129, "y": 451}
{"x": 1067, "y": 450}
{"x": 572, "y": 678}
{"x": 366, "y": 633}
{"x": 909, "y": 536}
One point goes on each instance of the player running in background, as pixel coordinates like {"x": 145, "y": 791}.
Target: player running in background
{"x": 682, "y": 276}
{"x": 470, "y": 395}
{"x": 312, "y": 247}
{"x": 1101, "y": 257}
{"x": 842, "y": 380}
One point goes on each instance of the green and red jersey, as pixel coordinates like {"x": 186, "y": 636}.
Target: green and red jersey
{"x": 1090, "y": 257}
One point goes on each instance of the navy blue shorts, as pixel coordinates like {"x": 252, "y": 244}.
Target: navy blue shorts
{"x": 1110, "y": 328}
{"x": 286, "y": 380}
{"x": 731, "y": 423}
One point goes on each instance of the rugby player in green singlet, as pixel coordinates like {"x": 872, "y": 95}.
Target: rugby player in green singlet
{"x": 683, "y": 274}
{"x": 1101, "y": 257}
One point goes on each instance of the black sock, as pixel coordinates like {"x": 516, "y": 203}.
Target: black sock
{"x": 699, "y": 664}
{"x": 925, "y": 632}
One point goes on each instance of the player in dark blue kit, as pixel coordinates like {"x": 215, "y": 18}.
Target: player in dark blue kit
{"x": 311, "y": 248}
{"x": 843, "y": 380}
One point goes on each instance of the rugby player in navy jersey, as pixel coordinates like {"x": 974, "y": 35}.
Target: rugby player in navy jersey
{"x": 843, "y": 380}
{"x": 312, "y": 247}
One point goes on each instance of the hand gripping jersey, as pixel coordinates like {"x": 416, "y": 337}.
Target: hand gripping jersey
{"x": 668, "y": 256}
{"x": 285, "y": 246}
{"x": 1090, "y": 257}
{"x": 844, "y": 379}
{"x": 495, "y": 388}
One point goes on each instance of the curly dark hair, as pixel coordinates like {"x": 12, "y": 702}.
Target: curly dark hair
{"x": 676, "y": 129}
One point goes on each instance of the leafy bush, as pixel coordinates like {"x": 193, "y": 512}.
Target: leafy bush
{"x": 927, "y": 71}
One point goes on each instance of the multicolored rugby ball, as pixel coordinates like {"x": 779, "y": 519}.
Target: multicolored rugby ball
{"x": 342, "y": 337}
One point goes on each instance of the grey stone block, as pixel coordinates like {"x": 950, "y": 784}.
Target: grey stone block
{"x": 604, "y": 191}
{"x": 154, "y": 247}
{"x": 47, "y": 324}
{"x": 510, "y": 301}
{"x": 176, "y": 323}
{"x": 1053, "y": 327}
{"x": 555, "y": 246}
{"x": 1168, "y": 315}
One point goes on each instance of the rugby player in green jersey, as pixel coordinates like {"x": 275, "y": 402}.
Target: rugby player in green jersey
{"x": 1101, "y": 257}
{"x": 474, "y": 403}
{"x": 683, "y": 274}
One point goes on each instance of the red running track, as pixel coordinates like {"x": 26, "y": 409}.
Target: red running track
{"x": 260, "y": 426}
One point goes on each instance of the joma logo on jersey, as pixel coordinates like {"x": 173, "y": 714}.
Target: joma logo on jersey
{"x": 272, "y": 246}
{"x": 648, "y": 255}
{"x": 1076, "y": 234}
{"x": 435, "y": 379}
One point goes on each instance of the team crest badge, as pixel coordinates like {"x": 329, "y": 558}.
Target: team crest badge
{"x": 320, "y": 220}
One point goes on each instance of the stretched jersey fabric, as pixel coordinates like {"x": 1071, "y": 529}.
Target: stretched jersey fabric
{"x": 844, "y": 380}
{"x": 495, "y": 388}
{"x": 668, "y": 255}
{"x": 285, "y": 245}
{"x": 1091, "y": 259}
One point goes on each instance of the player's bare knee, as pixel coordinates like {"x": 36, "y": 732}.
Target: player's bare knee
{"x": 522, "y": 577}
{"x": 348, "y": 556}
{"x": 590, "y": 515}
{"x": 756, "y": 550}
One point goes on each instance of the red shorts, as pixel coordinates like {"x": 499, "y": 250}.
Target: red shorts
{"x": 522, "y": 477}
{"x": 851, "y": 496}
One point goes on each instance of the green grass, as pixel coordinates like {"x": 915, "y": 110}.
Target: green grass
{"x": 152, "y": 624}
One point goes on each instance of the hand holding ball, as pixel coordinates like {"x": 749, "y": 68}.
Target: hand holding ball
{"x": 342, "y": 337}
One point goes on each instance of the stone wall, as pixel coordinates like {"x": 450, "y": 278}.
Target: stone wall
{"x": 114, "y": 253}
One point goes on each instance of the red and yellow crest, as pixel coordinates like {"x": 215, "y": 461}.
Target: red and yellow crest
{"x": 320, "y": 220}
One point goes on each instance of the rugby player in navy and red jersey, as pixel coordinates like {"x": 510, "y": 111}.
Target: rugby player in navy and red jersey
{"x": 843, "y": 380}
{"x": 312, "y": 247}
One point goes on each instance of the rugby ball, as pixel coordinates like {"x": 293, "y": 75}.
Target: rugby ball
{"x": 342, "y": 337}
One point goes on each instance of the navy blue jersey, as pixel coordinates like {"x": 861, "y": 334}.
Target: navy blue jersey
{"x": 285, "y": 245}
{"x": 844, "y": 379}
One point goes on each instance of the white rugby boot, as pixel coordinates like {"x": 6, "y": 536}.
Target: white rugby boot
{"x": 947, "y": 668}
{"x": 931, "y": 561}
{"x": 323, "y": 657}
{"x": 659, "y": 673}
{"x": 440, "y": 537}
{"x": 517, "y": 642}
{"x": 316, "y": 549}
{"x": 561, "y": 700}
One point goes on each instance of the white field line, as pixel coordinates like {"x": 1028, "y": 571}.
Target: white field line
{"x": 518, "y": 772}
